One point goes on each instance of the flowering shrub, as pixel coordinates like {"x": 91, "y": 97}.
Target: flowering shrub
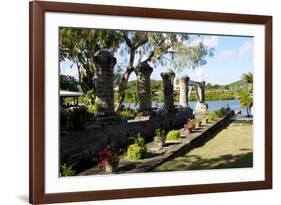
{"x": 187, "y": 127}
{"x": 107, "y": 156}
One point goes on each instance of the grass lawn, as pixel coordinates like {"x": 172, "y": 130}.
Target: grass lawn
{"x": 230, "y": 148}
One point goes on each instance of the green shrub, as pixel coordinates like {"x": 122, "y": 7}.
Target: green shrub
{"x": 92, "y": 108}
{"x": 139, "y": 140}
{"x": 130, "y": 114}
{"x": 194, "y": 122}
{"x": 211, "y": 116}
{"x": 88, "y": 98}
{"x": 221, "y": 112}
{"x": 67, "y": 170}
{"x": 160, "y": 135}
{"x": 137, "y": 150}
{"x": 173, "y": 135}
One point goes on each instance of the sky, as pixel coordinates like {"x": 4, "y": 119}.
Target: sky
{"x": 233, "y": 56}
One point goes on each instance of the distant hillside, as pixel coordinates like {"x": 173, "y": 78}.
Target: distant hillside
{"x": 213, "y": 91}
{"x": 238, "y": 85}
{"x": 235, "y": 86}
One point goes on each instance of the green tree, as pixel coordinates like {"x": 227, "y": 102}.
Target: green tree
{"x": 247, "y": 77}
{"x": 246, "y": 96}
{"x": 79, "y": 46}
{"x": 160, "y": 49}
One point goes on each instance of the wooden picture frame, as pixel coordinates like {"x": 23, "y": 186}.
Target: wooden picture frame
{"x": 37, "y": 101}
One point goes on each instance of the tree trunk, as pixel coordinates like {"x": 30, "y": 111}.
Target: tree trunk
{"x": 122, "y": 89}
{"x": 247, "y": 109}
{"x": 124, "y": 81}
{"x": 79, "y": 74}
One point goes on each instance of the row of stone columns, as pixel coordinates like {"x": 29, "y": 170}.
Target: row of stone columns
{"x": 105, "y": 62}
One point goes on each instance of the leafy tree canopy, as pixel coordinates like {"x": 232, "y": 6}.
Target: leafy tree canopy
{"x": 132, "y": 48}
{"x": 79, "y": 46}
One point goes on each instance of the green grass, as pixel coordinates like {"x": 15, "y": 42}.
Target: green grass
{"x": 231, "y": 148}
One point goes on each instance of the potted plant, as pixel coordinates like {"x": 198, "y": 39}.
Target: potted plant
{"x": 108, "y": 160}
{"x": 137, "y": 150}
{"x": 173, "y": 136}
{"x": 187, "y": 128}
{"x": 196, "y": 123}
{"x": 160, "y": 137}
{"x": 212, "y": 116}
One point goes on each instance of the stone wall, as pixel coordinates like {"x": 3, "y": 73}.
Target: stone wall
{"x": 79, "y": 146}
{"x": 147, "y": 127}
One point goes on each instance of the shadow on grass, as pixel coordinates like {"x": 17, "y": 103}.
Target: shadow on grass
{"x": 183, "y": 161}
{"x": 195, "y": 162}
{"x": 201, "y": 142}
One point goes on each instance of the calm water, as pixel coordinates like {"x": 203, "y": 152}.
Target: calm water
{"x": 213, "y": 105}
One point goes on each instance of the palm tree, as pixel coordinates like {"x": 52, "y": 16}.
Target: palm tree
{"x": 246, "y": 96}
{"x": 247, "y": 77}
{"x": 246, "y": 100}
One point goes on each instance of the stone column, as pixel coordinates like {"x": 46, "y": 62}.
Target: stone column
{"x": 143, "y": 72}
{"x": 104, "y": 63}
{"x": 168, "y": 88}
{"x": 201, "y": 107}
{"x": 183, "y": 84}
{"x": 203, "y": 91}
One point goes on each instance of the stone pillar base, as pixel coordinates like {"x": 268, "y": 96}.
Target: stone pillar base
{"x": 144, "y": 113}
{"x": 201, "y": 108}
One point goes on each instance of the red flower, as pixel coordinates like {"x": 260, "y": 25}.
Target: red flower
{"x": 106, "y": 156}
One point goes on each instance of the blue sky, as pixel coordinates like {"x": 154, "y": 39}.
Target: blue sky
{"x": 233, "y": 56}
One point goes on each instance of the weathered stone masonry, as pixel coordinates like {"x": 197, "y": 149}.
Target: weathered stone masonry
{"x": 143, "y": 72}
{"x": 78, "y": 146}
{"x": 183, "y": 84}
{"x": 104, "y": 62}
{"x": 168, "y": 89}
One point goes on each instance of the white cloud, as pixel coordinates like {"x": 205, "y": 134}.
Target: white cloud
{"x": 226, "y": 54}
{"x": 200, "y": 74}
{"x": 211, "y": 42}
{"x": 246, "y": 50}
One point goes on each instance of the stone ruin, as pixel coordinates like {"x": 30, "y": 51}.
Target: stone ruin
{"x": 77, "y": 146}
